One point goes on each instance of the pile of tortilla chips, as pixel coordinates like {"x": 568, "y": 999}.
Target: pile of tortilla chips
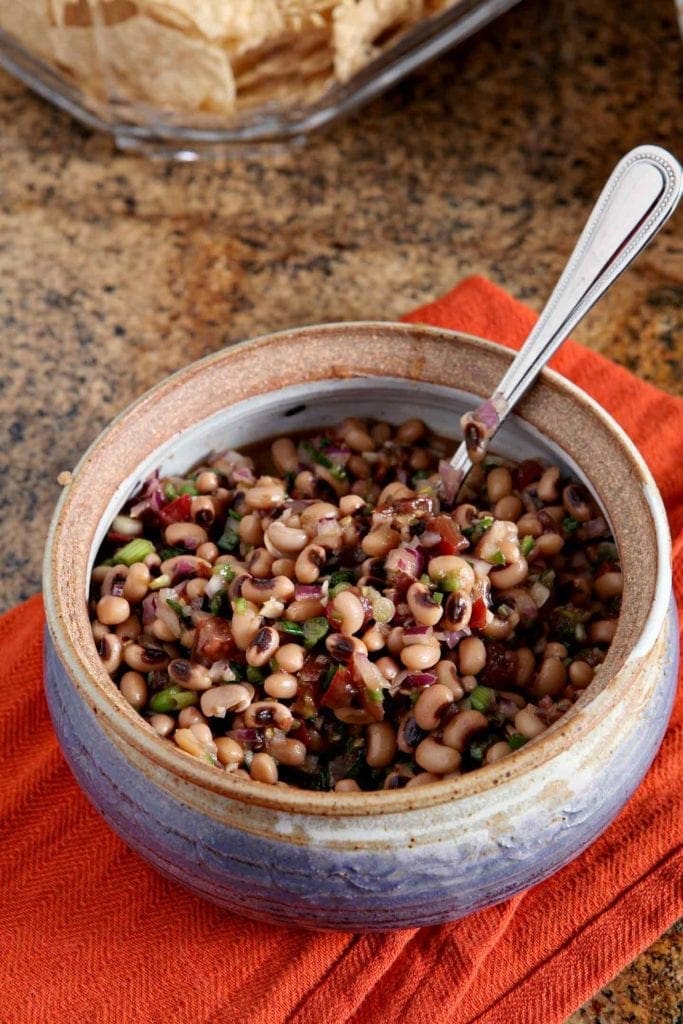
{"x": 210, "y": 56}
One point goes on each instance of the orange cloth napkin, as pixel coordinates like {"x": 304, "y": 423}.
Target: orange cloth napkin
{"x": 89, "y": 932}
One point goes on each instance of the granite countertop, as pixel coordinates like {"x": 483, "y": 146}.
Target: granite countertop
{"x": 115, "y": 271}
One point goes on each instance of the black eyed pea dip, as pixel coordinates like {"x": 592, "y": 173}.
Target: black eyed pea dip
{"x": 315, "y": 614}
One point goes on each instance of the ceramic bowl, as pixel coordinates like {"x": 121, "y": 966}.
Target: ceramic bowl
{"x": 372, "y": 860}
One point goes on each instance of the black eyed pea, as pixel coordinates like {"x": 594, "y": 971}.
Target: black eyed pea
{"x": 195, "y": 588}
{"x": 265, "y": 713}
{"x": 232, "y": 697}
{"x": 111, "y": 611}
{"x": 418, "y": 657}
{"x": 136, "y": 583}
{"x": 546, "y": 545}
{"x": 496, "y": 752}
{"x": 388, "y": 667}
{"x": 602, "y": 632}
{"x": 186, "y": 535}
{"x": 498, "y": 483}
{"x": 529, "y": 525}
{"x": 394, "y": 491}
{"x": 303, "y": 609}
{"x": 410, "y": 431}
{"x": 547, "y": 488}
{"x": 133, "y": 687}
{"x": 347, "y": 786}
{"x": 375, "y": 637}
{"x": 420, "y": 459}
{"x": 188, "y": 565}
{"x": 339, "y": 485}
{"x": 395, "y": 640}
{"x": 513, "y": 574}
{"x": 313, "y": 514}
{"x": 263, "y": 768}
{"x": 229, "y": 751}
{"x": 576, "y": 502}
{"x": 380, "y": 541}
{"x": 436, "y": 758}
{"x": 422, "y": 779}
{"x": 509, "y": 508}
{"x": 251, "y": 529}
{"x": 202, "y": 510}
{"x": 287, "y": 751}
{"x": 471, "y": 655}
{"x": 453, "y": 568}
{"x": 190, "y": 716}
{"x": 349, "y": 504}
{"x": 197, "y": 741}
{"x": 145, "y": 659}
{"x": 424, "y": 609}
{"x": 304, "y": 484}
{"x": 309, "y": 563}
{"x": 267, "y": 493}
{"x": 259, "y": 563}
{"x": 261, "y": 590}
{"x": 354, "y": 434}
{"x": 207, "y": 481}
{"x": 209, "y": 552}
{"x": 285, "y": 458}
{"x": 98, "y": 630}
{"x": 283, "y": 567}
{"x": 457, "y": 610}
{"x": 527, "y": 722}
{"x": 555, "y": 650}
{"x": 114, "y": 581}
{"x": 162, "y": 631}
{"x": 163, "y": 725}
{"x": 463, "y": 727}
{"x": 430, "y": 705}
{"x": 282, "y": 540}
{"x": 130, "y": 629}
{"x": 191, "y": 677}
{"x": 346, "y": 612}
{"x": 263, "y": 646}
{"x": 290, "y": 657}
{"x": 342, "y": 648}
{"x": 447, "y": 675}
{"x": 580, "y": 674}
{"x": 526, "y": 663}
{"x": 380, "y": 746}
{"x": 281, "y": 685}
{"x": 610, "y": 584}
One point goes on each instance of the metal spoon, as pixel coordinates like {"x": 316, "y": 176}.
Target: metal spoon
{"x": 639, "y": 197}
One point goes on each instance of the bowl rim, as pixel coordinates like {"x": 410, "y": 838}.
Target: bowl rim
{"x": 92, "y": 680}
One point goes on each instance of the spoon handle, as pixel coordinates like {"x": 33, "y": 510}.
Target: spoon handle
{"x": 639, "y": 197}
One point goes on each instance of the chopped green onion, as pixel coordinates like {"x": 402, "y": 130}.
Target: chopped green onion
{"x": 421, "y": 474}
{"x": 240, "y": 605}
{"x": 517, "y": 740}
{"x": 177, "y": 607}
{"x": 607, "y": 552}
{"x": 315, "y": 629}
{"x": 376, "y": 696}
{"x": 173, "y": 698}
{"x": 342, "y": 576}
{"x": 478, "y": 748}
{"x": 167, "y": 553}
{"x": 216, "y": 603}
{"x": 330, "y": 674}
{"x": 486, "y": 522}
{"x": 134, "y": 551}
{"x": 424, "y": 578}
{"x": 293, "y": 628}
{"x": 161, "y": 581}
{"x": 170, "y": 492}
{"x": 481, "y": 698}
{"x": 254, "y": 675}
{"x": 238, "y": 670}
{"x": 450, "y": 582}
{"x": 229, "y": 539}
{"x": 547, "y": 578}
{"x": 497, "y": 558}
{"x": 189, "y": 489}
{"x": 526, "y": 545}
{"x": 437, "y": 597}
{"x": 338, "y": 472}
{"x": 225, "y": 571}
{"x": 338, "y": 589}
{"x": 504, "y": 611}
{"x": 383, "y": 609}
{"x": 569, "y": 525}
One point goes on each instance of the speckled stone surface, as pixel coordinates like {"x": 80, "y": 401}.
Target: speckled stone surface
{"x": 114, "y": 271}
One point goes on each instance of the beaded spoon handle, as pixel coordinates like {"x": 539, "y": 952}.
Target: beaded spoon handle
{"x": 639, "y": 197}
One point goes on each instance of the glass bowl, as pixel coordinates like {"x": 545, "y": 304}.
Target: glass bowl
{"x": 184, "y": 77}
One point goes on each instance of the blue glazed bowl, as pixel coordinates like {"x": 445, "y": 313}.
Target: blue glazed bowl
{"x": 382, "y": 860}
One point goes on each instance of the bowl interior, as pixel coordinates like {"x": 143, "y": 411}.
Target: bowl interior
{"x": 311, "y": 378}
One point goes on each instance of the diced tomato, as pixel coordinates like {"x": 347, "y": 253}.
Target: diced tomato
{"x": 341, "y": 691}
{"x": 452, "y": 541}
{"x": 308, "y": 695}
{"x": 177, "y": 511}
{"x": 478, "y": 616}
{"x": 213, "y": 640}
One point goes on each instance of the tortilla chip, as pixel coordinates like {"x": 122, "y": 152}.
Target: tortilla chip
{"x": 358, "y": 24}
{"x": 140, "y": 60}
{"x": 239, "y": 24}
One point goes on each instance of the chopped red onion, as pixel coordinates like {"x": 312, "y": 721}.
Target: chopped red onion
{"x": 429, "y": 538}
{"x": 149, "y": 609}
{"x": 595, "y": 528}
{"x": 214, "y": 586}
{"x": 418, "y": 680}
{"x": 367, "y": 672}
{"x": 221, "y": 671}
{"x": 453, "y": 637}
{"x": 249, "y": 736}
{"x": 303, "y": 591}
{"x": 451, "y": 480}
